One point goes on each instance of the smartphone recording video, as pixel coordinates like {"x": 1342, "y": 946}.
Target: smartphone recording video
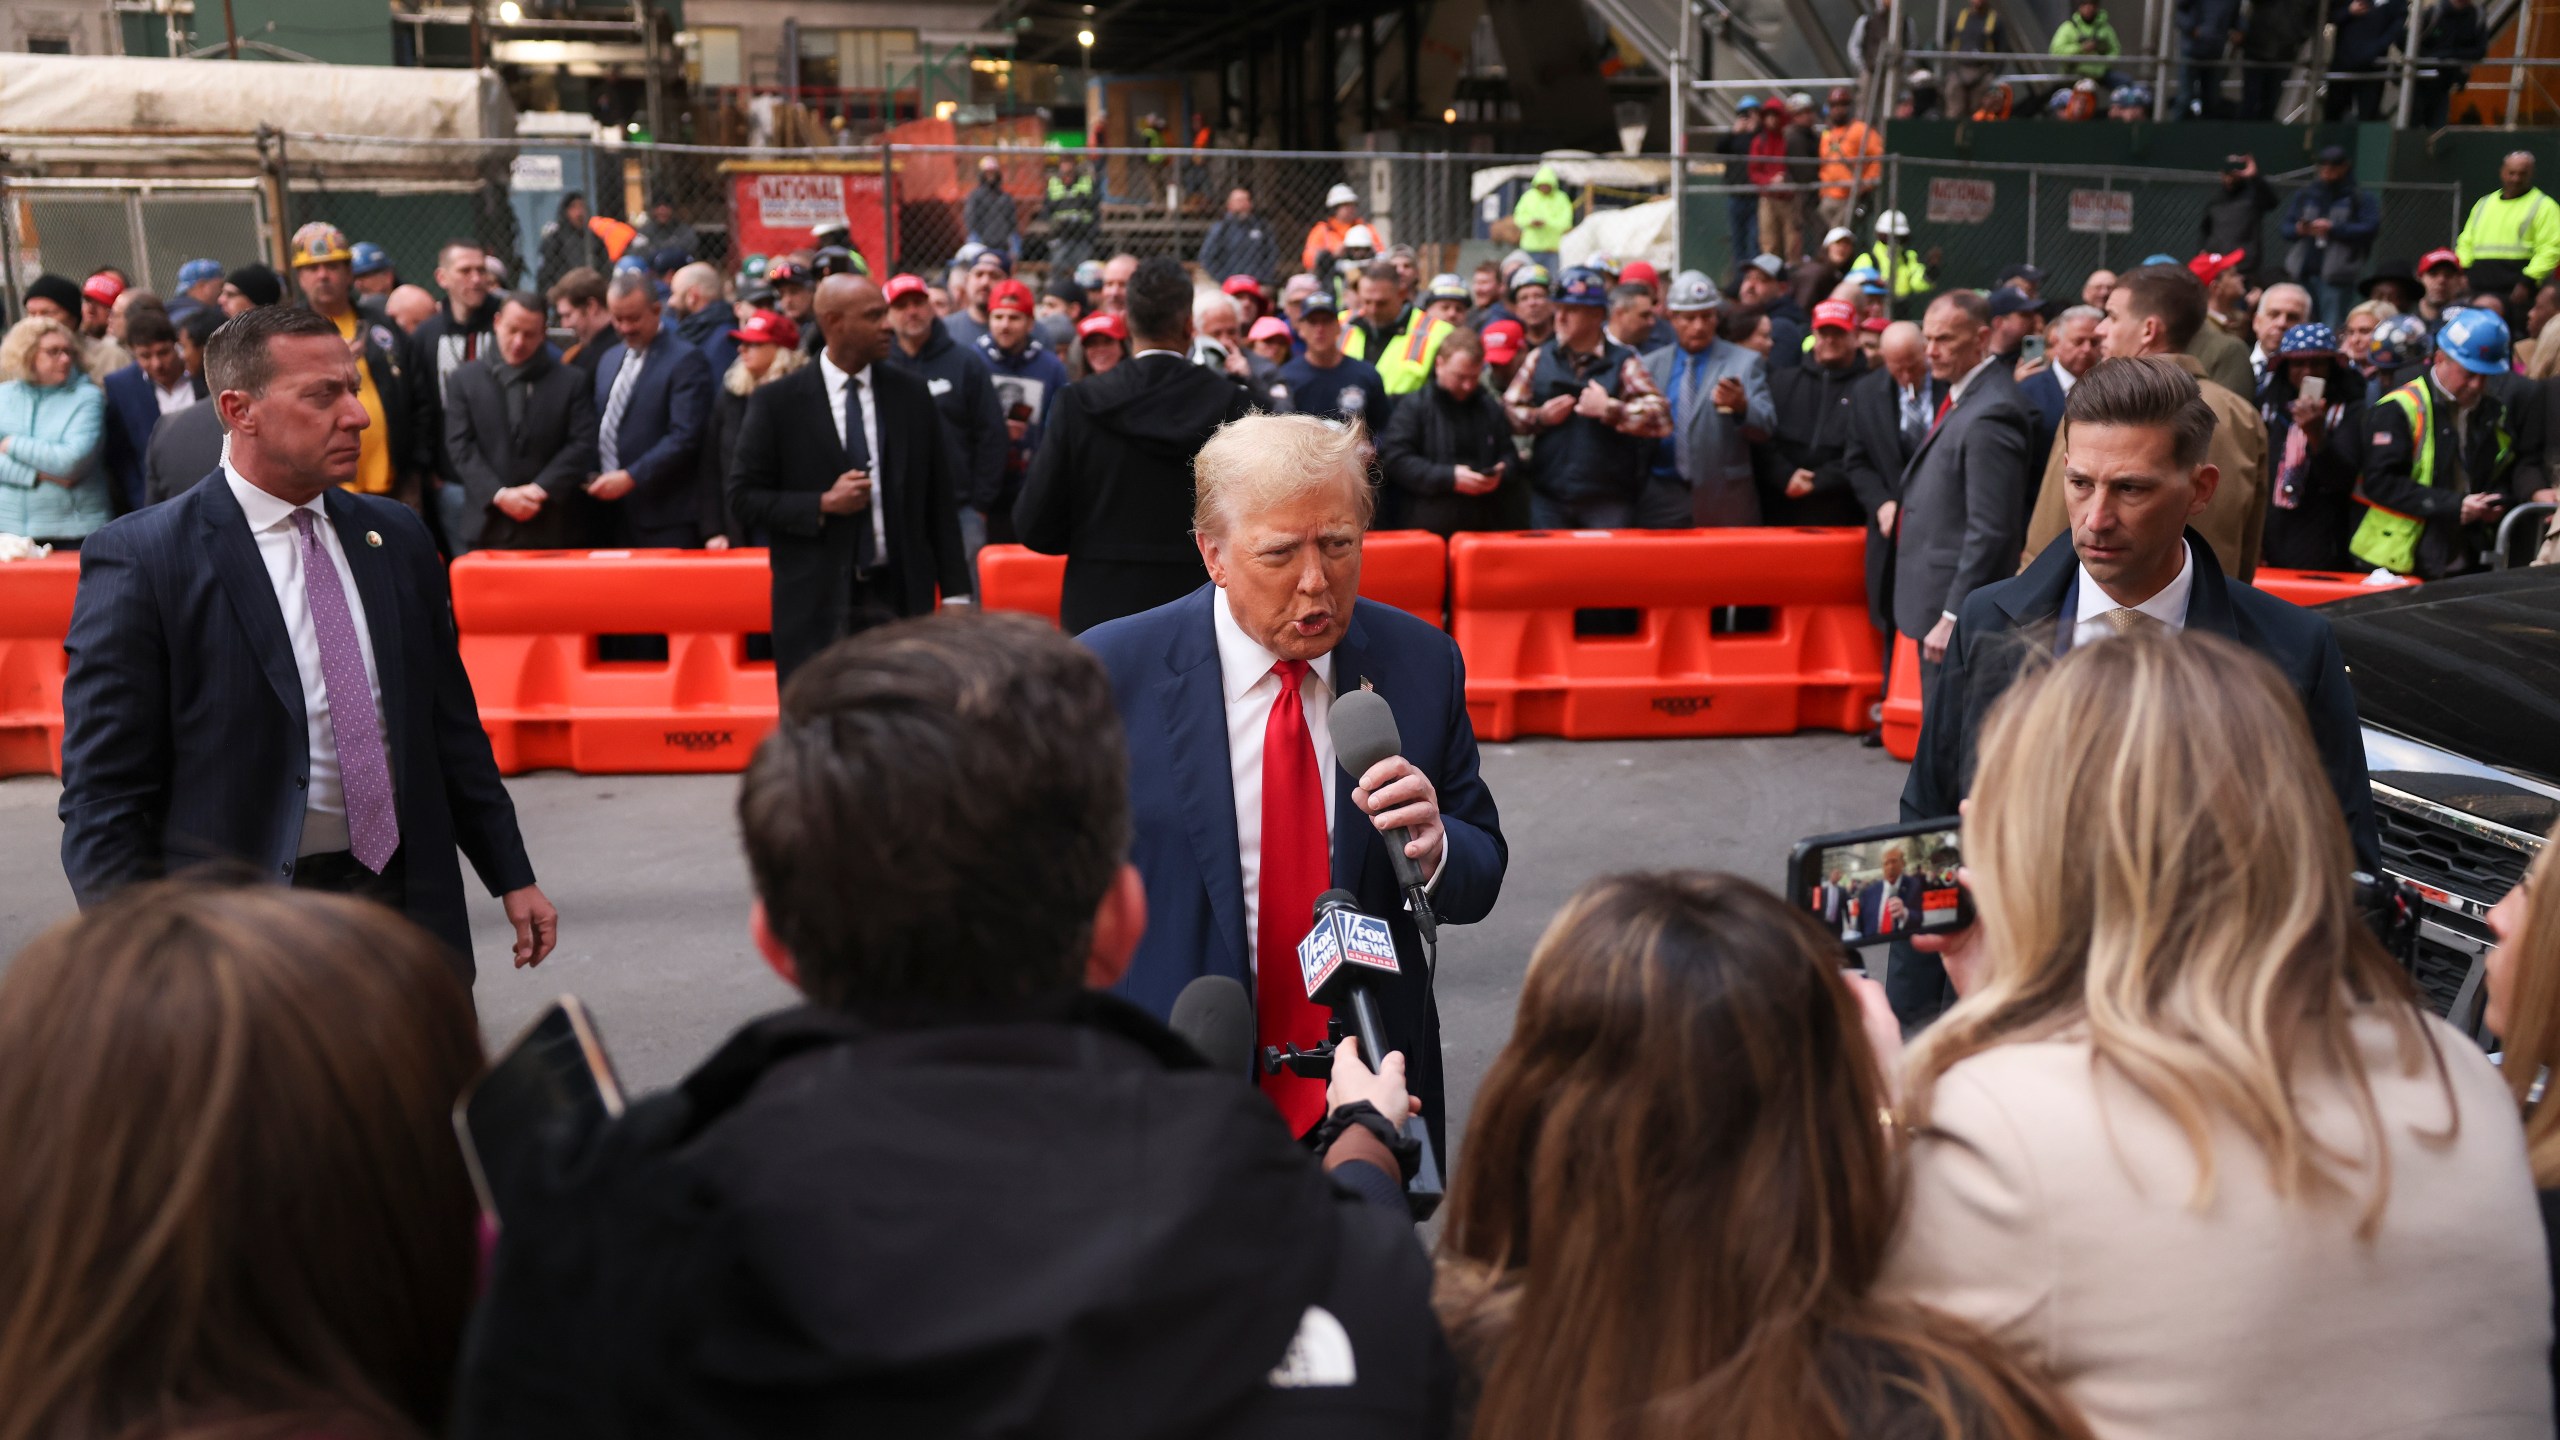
{"x": 555, "y": 1079}
{"x": 1872, "y": 886}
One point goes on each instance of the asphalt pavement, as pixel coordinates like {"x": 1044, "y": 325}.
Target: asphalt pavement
{"x": 653, "y": 895}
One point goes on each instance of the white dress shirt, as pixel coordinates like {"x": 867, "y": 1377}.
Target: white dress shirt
{"x": 834, "y": 376}
{"x": 2169, "y": 607}
{"x": 176, "y": 397}
{"x": 324, "y": 806}
{"x": 2063, "y": 377}
{"x": 1247, "y": 682}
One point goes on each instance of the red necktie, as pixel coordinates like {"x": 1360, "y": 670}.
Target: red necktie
{"x": 1943, "y": 407}
{"x": 1296, "y": 868}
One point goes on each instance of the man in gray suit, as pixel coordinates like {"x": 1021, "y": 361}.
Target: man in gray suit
{"x": 1720, "y": 407}
{"x": 1964, "y": 493}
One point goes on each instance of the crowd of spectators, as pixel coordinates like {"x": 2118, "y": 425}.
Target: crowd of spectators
{"x": 2187, "y": 1157}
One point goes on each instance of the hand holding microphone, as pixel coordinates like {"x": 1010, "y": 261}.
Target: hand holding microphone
{"x": 1398, "y": 797}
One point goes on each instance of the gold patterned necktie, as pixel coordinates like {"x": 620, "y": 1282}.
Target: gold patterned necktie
{"x": 2128, "y": 621}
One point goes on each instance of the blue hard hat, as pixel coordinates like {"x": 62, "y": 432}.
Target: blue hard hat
{"x": 196, "y": 272}
{"x": 2131, "y": 95}
{"x": 2309, "y": 339}
{"x": 1747, "y": 102}
{"x": 632, "y": 260}
{"x": 2166, "y": 259}
{"x": 2400, "y": 340}
{"x": 1583, "y": 286}
{"x": 2476, "y": 339}
{"x": 364, "y": 257}
{"x": 1870, "y": 280}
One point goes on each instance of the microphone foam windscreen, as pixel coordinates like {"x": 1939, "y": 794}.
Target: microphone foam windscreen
{"x": 1214, "y": 1014}
{"x": 1364, "y": 731}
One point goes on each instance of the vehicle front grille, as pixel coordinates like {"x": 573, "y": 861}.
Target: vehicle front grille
{"x": 2434, "y": 853}
{"x": 2440, "y": 971}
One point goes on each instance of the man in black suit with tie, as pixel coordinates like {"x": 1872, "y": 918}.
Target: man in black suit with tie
{"x": 845, "y": 464}
{"x": 264, "y": 670}
{"x": 1889, "y": 409}
{"x": 520, "y": 439}
{"x": 2135, "y": 476}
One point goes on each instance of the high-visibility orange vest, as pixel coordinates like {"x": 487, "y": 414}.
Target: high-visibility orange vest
{"x": 1842, "y": 144}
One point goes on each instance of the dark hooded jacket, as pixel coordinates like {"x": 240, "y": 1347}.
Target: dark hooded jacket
{"x": 1066, "y": 1226}
{"x": 1111, "y": 486}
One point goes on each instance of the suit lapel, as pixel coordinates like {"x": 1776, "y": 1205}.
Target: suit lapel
{"x": 1193, "y": 703}
{"x": 252, "y": 594}
{"x": 1351, "y": 827}
{"x": 828, "y": 443}
{"x": 374, "y": 582}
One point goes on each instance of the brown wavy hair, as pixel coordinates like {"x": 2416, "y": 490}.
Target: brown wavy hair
{"x": 1678, "y": 1193}
{"x": 235, "y": 1205}
{"x": 2531, "y": 1043}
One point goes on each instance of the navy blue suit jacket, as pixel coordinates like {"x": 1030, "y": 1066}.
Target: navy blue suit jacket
{"x": 661, "y": 431}
{"x": 133, "y": 411}
{"x": 1164, "y": 673}
{"x": 184, "y": 737}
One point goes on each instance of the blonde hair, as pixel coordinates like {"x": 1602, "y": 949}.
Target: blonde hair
{"x": 2161, "y": 866}
{"x": 1260, "y": 461}
{"x": 786, "y": 358}
{"x": 2532, "y": 1039}
{"x": 18, "y": 349}
{"x": 2545, "y": 361}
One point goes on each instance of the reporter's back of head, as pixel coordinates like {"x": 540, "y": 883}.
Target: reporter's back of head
{"x": 234, "y": 1202}
{"x": 959, "y": 1192}
{"x": 1676, "y": 1198}
{"x": 2188, "y": 1136}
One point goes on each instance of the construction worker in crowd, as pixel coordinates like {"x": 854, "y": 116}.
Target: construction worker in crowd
{"x": 1070, "y": 210}
{"x": 1359, "y": 247}
{"x": 1848, "y": 141}
{"x": 2087, "y": 31}
{"x": 1326, "y": 236}
{"x": 2442, "y": 448}
{"x": 2513, "y": 237}
{"x": 1544, "y": 213}
{"x": 1975, "y": 31}
{"x": 1902, "y": 271}
{"x": 1400, "y": 341}
{"x": 390, "y": 460}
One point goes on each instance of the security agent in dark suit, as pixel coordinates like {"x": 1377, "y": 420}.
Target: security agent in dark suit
{"x": 845, "y": 465}
{"x": 1220, "y": 690}
{"x": 135, "y": 402}
{"x": 649, "y": 424}
{"x": 1965, "y": 492}
{"x": 1889, "y": 410}
{"x": 265, "y": 671}
{"x": 520, "y": 438}
{"x": 1110, "y": 488}
{"x": 2135, "y": 473}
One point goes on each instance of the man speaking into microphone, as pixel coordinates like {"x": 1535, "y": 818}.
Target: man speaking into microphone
{"x": 1242, "y": 814}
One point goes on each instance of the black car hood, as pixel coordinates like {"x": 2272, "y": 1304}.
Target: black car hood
{"x": 2470, "y": 665}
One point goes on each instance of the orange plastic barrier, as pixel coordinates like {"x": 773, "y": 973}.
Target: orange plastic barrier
{"x": 35, "y": 613}
{"x": 2319, "y": 587}
{"x": 1015, "y": 577}
{"x": 1598, "y": 635}
{"x": 1902, "y": 701}
{"x": 1408, "y": 569}
{"x": 617, "y": 662}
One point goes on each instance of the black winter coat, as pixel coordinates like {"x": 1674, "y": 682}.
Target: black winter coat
{"x": 1065, "y": 1225}
{"x": 1431, "y": 435}
{"x": 1812, "y": 434}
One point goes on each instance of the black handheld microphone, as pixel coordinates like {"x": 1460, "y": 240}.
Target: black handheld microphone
{"x": 1364, "y": 733}
{"x": 1341, "y": 960}
{"x": 1214, "y": 1014}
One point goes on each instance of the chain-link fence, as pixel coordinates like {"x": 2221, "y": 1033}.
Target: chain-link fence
{"x": 533, "y": 201}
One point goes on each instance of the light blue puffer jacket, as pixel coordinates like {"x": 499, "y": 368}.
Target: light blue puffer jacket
{"x": 56, "y": 431}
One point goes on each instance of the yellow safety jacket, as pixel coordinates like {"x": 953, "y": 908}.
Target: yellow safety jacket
{"x": 1907, "y": 279}
{"x": 2387, "y": 538}
{"x": 1405, "y": 367}
{"x": 2524, "y": 231}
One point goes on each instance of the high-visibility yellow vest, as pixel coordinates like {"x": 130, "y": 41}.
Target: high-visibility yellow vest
{"x": 1908, "y": 278}
{"x": 1405, "y": 365}
{"x": 2386, "y": 538}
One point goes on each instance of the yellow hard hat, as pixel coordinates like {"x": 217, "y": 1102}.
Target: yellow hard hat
{"x": 320, "y": 243}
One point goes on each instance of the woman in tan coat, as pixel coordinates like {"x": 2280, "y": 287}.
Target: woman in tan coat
{"x": 2188, "y": 1142}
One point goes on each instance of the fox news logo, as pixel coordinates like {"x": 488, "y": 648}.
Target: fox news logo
{"x": 1366, "y": 940}
{"x": 1319, "y": 955}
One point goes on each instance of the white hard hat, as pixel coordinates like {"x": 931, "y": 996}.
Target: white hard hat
{"x": 1360, "y": 237}
{"x": 1837, "y": 234}
{"x": 1341, "y": 195}
{"x": 1892, "y": 223}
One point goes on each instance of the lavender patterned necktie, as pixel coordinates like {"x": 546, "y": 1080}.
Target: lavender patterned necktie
{"x": 373, "y": 824}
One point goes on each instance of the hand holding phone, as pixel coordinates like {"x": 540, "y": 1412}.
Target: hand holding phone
{"x": 2315, "y": 387}
{"x": 1893, "y": 883}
